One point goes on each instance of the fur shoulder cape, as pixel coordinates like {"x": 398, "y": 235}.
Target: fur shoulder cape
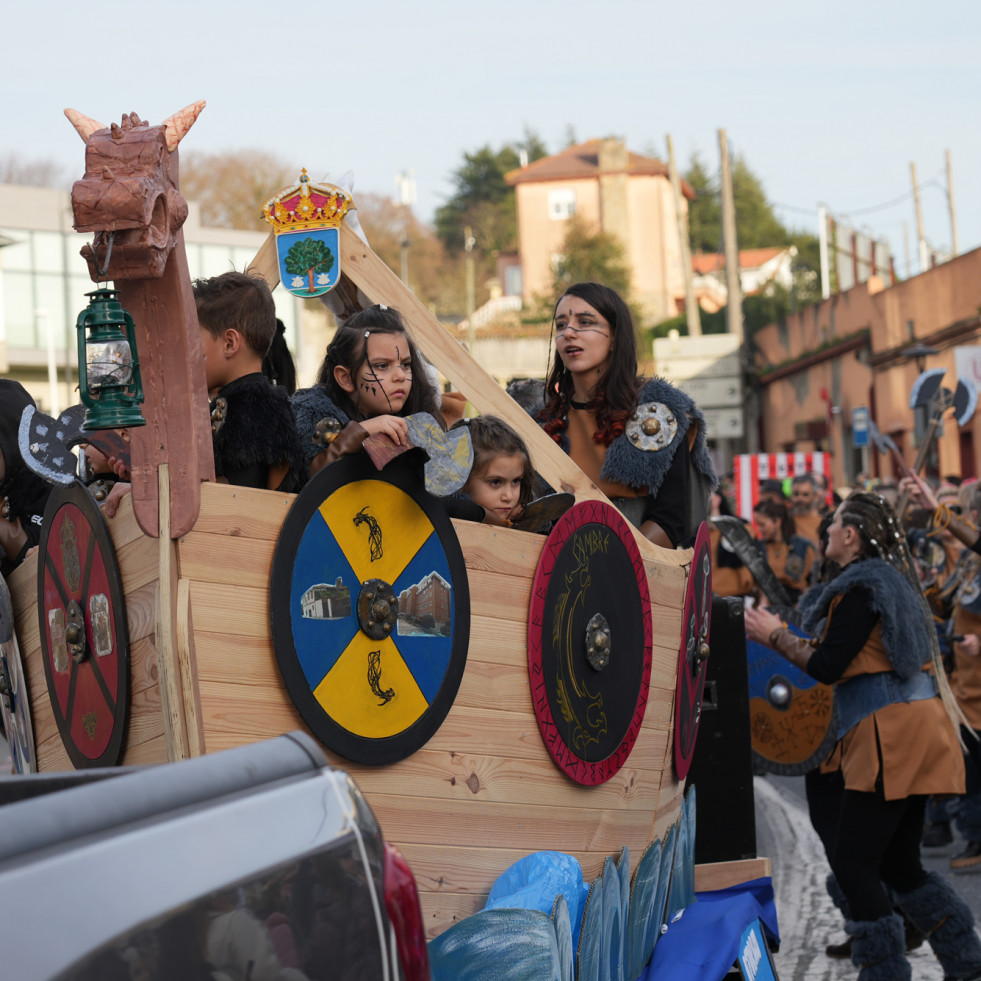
{"x": 310, "y": 405}
{"x": 258, "y": 428}
{"x": 904, "y": 625}
{"x": 627, "y": 464}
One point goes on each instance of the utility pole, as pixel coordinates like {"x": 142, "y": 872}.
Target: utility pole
{"x": 823, "y": 252}
{"x": 950, "y": 204}
{"x": 691, "y": 304}
{"x": 734, "y": 304}
{"x": 407, "y": 198}
{"x": 468, "y": 243}
{"x": 919, "y": 220}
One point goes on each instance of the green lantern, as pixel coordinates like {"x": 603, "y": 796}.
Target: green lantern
{"x": 108, "y": 368}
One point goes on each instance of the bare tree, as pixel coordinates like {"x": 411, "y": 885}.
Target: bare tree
{"x": 232, "y": 187}
{"x": 15, "y": 169}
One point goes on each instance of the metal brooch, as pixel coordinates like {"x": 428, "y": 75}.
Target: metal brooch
{"x": 652, "y": 426}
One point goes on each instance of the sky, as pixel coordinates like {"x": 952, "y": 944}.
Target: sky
{"x": 828, "y": 103}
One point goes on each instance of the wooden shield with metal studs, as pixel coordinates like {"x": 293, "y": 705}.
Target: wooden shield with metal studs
{"x": 589, "y": 642}
{"x": 694, "y": 652}
{"x": 15, "y": 706}
{"x": 792, "y": 718}
{"x": 82, "y": 620}
{"x": 370, "y": 610}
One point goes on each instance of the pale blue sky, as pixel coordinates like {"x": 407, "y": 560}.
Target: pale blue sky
{"x": 829, "y": 102}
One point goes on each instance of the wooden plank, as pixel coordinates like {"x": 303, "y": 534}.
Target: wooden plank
{"x": 500, "y": 596}
{"x": 123, "y": 527}
{"x": 187, "y": 663}
{"x": 723, "y": 875}
{"x": 242, "y": 512}
{"x": 211, "y": 558}
{"x": 138, "y": 563}
{"x": 506, "y": 551}
{"x": 441, "y": 910}
{"x": 241, "y": 611}
{"x": 450, "y": 869}
{"x": 168, "y": 667}
{"x": 232, "y": 715}
{"x": 426, "y": 821}
{"x": 141, "y": 612}
{"x": 472, "y": 778}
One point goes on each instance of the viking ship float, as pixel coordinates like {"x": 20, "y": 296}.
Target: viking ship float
{"x": 490, "y": 719}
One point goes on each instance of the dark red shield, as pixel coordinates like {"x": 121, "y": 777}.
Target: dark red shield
{"x": 590, "y": 708}
{"x": 692, "y": 657}
{"x": 82, "y": 620}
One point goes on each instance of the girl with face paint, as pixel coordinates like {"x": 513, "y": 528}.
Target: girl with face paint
{"x": 642, "y": 442}
{"x": 372, "y": 377}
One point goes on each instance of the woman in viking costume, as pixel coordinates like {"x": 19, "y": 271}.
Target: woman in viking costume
{"x": 641, "y": 442}
{"x": 897, "y": 744}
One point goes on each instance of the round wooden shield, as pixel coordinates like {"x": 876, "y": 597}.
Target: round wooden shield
{"x": 82, "y": 620}
{"x": 589, "y": 642}
{"x": 15, "y": 706}
{"x": 693, "y": 655}
{"x": 370, "y": 609}
{"x": 792, "y": 718}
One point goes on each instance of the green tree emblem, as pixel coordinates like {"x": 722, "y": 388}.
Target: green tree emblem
{"x": 309, "y": 256}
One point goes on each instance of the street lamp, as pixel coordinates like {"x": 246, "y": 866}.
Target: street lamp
{"x": 920, "y": 352}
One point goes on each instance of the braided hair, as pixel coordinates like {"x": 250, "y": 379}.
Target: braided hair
{"x": 878, "y": 530}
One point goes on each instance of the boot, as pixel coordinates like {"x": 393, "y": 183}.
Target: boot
{"x": 947, "y": 921}
{"x": 937, "y": 835}
{"x": 970, "y": 858}
{"x": 877, "y": 949}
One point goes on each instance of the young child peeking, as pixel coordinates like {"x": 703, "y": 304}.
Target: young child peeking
{"x": 502, "y": 476}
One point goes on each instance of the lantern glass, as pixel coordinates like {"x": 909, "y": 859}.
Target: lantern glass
{"x": 108, "y": 363}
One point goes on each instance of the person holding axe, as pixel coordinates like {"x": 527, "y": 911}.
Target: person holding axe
{"x": 966, "y": 678}
{"x": 897, "y": 742}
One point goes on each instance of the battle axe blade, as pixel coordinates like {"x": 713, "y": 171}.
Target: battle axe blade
{"x": 744, "y": 545}
{"x": 965, "y": 401}
{"x": 925, "y": 388}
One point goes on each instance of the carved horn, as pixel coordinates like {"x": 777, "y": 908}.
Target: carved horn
{"x": 178, "y": 124}
{"x": 85, "y": 126}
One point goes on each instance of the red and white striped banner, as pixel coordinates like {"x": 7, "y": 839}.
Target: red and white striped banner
{"x": 749, "y": 469}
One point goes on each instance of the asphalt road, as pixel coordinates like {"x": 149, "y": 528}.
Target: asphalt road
{"x": 807, "y": 918}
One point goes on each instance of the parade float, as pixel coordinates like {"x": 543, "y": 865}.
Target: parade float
{"x": 550, "y": 699}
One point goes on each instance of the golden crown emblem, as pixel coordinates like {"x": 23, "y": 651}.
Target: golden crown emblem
{"x": 307, "y": 205}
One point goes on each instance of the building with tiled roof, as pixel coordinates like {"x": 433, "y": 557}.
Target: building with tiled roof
{"x": 758, "y": 268}
{"x": 615, "y": 191}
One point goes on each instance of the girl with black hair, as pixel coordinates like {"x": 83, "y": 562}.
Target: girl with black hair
{"x": 897, "y": 743}
{"x": 791, "y": 556}
{"x": 372, "y": 377}
{"x": 641, "y": 442}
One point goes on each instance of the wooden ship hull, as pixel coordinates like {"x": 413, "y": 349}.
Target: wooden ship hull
{"x": 480, "y": 794}
{"x": 195, "y": 560}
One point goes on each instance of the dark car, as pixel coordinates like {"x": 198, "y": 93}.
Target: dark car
{"x": 260, "y": 863}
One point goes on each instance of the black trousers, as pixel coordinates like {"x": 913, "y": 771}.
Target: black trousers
{"x": 877, "y": 844}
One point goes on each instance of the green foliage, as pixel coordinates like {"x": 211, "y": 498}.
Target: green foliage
{"x": 589, "y": 256}
{"x": 483, "y": 200}
{"x": 757, "y": 226}
{"x": 308, "y": 256}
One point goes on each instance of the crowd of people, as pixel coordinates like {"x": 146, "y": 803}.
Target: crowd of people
{"x": 887, "y": 585}
{"x": 858, "y": 572}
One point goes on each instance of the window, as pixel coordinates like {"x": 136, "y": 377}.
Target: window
{"x": 561, "y": 203}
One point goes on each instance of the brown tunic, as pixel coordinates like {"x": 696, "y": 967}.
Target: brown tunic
{"x": 777, "y": 554}
{"x": 807, "y": 525}
{"x": 727, "y": 581}
{"x": 912, "y": 745}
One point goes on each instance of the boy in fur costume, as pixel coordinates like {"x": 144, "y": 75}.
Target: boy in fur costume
{"x": 253, "y": 430}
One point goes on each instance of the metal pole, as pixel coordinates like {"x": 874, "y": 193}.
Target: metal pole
{"x": 823, "y": 250}
{"x": 734, "y": 302}
{"x": 691, "y": 304}
{"x": 468, "y": 243}
{"x": 919, "y": 220}
{"x": 950, "y": 205}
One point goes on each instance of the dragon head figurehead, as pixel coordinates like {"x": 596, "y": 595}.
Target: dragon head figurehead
{"x": 129, "y": 197}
